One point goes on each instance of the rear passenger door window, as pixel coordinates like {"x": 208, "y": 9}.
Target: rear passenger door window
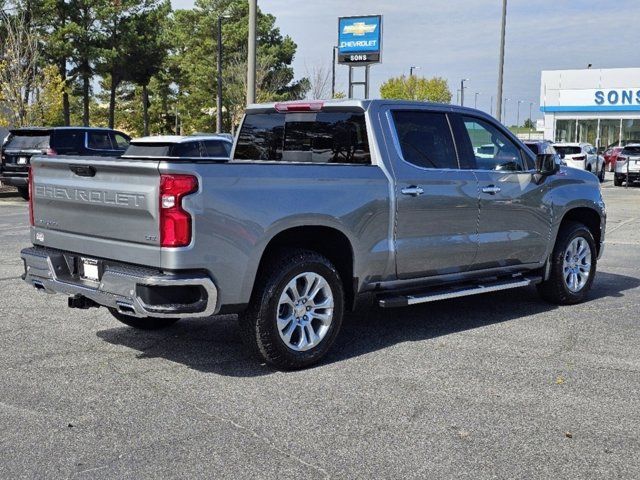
{"x": 491, "y": 149}
{"x": 425, "y": 139}
{"x": 67, "y": 142}
{"x": 100, "y": 141}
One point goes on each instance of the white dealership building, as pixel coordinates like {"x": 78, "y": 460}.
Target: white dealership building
{"x": 598, "y": 106}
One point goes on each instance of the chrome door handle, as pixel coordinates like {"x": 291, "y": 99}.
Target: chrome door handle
{"x": 412, "y": 190}
{"x": 491, "y": 189}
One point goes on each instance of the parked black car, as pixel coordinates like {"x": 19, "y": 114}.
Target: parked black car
{"x": 23, "y": 143}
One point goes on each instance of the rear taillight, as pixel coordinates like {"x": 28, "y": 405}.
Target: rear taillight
{"x": 31, "y": 195}
{"x": 175, "y": 223}
{"x": 51, "y": 152}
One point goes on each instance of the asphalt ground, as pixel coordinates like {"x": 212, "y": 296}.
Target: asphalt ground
{"x": 501, "y": 385}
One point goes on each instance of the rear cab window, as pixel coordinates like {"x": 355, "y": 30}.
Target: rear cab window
{"x": 568, "y": 150}
{"x": 631, "y": 151}
{"x": 336, "y": 137}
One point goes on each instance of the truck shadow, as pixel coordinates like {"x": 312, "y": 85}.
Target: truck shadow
{"x": 214, "y": 346}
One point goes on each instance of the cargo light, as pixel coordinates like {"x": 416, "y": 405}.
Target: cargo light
{"x": 283, "y": 107}
{"x": 175, "y": 222}
{"x": 31, "y": 195}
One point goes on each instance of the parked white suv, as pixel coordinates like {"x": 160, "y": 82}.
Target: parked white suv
{"x": 628, "y": 165}
{"x": 583, "y": 156}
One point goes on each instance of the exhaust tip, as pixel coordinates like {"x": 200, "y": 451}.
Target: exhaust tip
{"x": 38, "y": 285}
{"x": 126, "y": 308}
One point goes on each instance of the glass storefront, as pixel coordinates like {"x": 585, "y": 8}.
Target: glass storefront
{"x": 565, "y": 131}
{"x": 609, "y": 132}
{"x": 631, "y": 129}
{"x": 588, "y": 131}
{"x": 600, "y": 133}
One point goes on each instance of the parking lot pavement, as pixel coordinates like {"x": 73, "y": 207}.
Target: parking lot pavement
{"x": 495, "y": 386}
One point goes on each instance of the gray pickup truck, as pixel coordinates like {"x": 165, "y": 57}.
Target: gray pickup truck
{"x": 322, "y": 204}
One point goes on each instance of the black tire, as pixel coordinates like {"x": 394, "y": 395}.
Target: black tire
{"x": 147, "y": 323}
{"x": 617, "y": 180}
{"x": 24, "y": 192}
{"x": 555, "y": 289}
{"x": 601, "y": 175}
{"x": 258, "y": 324}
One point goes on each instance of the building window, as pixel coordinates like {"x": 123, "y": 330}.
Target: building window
{"x": 630, "y": 129}
{"x": 565, "y": 131}
{"x": 609, "y": 132}
{"x": 588, "y": 131}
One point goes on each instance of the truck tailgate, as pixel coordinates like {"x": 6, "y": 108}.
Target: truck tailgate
{"x": 85, "y": 204}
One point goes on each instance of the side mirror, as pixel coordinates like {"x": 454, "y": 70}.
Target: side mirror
{"x": 546, "y": 164}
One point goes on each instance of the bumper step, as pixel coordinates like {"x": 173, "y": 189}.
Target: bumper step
{"x": 444, "y": 293}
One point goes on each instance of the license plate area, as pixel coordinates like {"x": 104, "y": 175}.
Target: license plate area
{"x": 90, "y": 269}
{"x": 22, "y": 161}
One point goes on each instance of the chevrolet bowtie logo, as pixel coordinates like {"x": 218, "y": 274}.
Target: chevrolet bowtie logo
{"x": 359, "y": 29}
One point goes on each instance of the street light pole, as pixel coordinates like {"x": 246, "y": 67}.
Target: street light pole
{"x": 251, "y": 60}
{"x": 475, "y": 102}
{"x": 219, "y": 81}
{"x": 411, "y": 69}
{"x": 333, "y": 73}
{"x": 462, "y": 91}
{"x": 504, "y": 113}
{"x": 501, "y": 60}
{"x": 518, "y": 114}
{"x": 530, "y": 119}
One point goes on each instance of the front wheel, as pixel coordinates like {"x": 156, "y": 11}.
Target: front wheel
{"x": 573, "y": 266}
{"x": 296, "y": 310}
{"x": 146, "y": 323}
{"x": 601, "y": 174}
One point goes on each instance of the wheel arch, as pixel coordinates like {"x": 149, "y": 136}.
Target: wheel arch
{"x": 325, "y": 240}
{"x": 589, "y": 217}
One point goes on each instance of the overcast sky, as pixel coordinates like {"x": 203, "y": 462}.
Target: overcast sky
{"x": 459, "y": 39}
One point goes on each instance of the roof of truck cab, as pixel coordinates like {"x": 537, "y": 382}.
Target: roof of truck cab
{"x": 172, "y": 139}
{"x": 361, "y": 104}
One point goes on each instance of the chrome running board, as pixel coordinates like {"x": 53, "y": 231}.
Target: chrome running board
{"x": 444, "y": 293}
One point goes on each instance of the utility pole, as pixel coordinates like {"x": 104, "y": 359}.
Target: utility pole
{"x": 530, "y": 119}
{"x": 501, "y": 61}
{"x": 518, "y": 114}
{"x": 491, "y": 106}
{"x": 219, "y": 81}
{"x": 462, "y": 91}
{"x": 411, "y": 69}
{"x": 475, "y": 102}
{"x": 333, "y": 73}
{"x": 251, "y": 60}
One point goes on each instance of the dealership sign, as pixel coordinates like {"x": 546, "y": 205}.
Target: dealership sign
{"x": 360, "y": 39}
{"x": 595, "y": 100}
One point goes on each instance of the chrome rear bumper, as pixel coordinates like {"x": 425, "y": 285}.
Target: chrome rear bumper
{"x": 119, "y": 287}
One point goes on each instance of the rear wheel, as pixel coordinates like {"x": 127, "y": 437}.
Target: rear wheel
{"x": 617, "y": 180}
{"x": 296, "y": 310}
{"x": 24, "y": 192}
{"x": 602, "y": 173}
{"x": 146, "y": 323}
{"x": 573, "y": 266}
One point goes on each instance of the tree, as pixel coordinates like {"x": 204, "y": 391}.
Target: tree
{"x": 18, "y": 66}
{"x": 192, "y": 60}
{"x": 413, "y": 87}
{"x": 320, "y": 82}
{"x": 146, "y": 51}
{"x": 528, "y": 123}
